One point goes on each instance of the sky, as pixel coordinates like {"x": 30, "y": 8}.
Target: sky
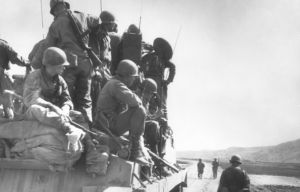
{"x": 237, "y": 80}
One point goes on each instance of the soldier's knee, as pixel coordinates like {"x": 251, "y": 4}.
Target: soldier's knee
{"x": 140, "y": 111}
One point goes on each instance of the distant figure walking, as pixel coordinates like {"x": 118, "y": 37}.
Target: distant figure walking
{"x": 215, "y": 165}
{"x": 200, "y": 166}
{"x": 234, "y": 178}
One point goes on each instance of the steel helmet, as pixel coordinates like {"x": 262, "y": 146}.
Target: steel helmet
{"x": 133, "y": 29}
{"x": 107, "y": 17}
{"x": 127, "y": 67}
{"x": 149, "y": 85}
{"x": 53, "y": 3}
{"x": 236, "y": 158}
{"x": 164, "y": 46}
{"x": 55, "y": 57}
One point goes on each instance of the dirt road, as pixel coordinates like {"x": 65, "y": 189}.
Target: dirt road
{"x": 207, "y": 184}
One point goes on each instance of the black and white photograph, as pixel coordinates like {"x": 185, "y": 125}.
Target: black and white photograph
{"x": 150, "y": 95}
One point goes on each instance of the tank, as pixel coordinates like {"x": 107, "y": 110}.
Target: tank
{"x": 30, "y": 175}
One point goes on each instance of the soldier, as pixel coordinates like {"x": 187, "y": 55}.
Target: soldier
{"x": 79, "y": 73}
{"x": 121, "y": 110}
{"x": 154, "y": 65}
{"x": 200, "y": 167}
{"x": 100, "y": 40}
{"x": 34, "y": 50}
{"x": 215, "y": 165}
{"x": 47, "y": 97}
{"x": 152, "y": 128}
{"x": 100, "y": 44}
{"x": 119, "y": 49}
{"x": 7, "y": 55}
{"x": 234, "y": 178}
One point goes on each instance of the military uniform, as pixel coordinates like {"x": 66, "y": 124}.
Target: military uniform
{"x": 112, "y": 102}
{"x": 7, "y": 55}
{"x": 152, "y": 66}
{"x": 235, "y": 179}
{"x": 200, "y": 167}
{"x": 215, "y": 165}
{"x": 78, "y": 75}
{"x": 121, "y": 110}
{"x": 40, "y": 88}
{"x": 100, "y": 44}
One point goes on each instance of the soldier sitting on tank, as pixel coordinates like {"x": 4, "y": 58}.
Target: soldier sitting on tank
{"x": 47, "y": 97}
{"x": 152, "y": 128}
{"x": 154, "y": 122}
{"x": 121, "y": 110}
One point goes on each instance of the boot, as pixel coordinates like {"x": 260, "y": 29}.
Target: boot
{"x": 139, "y": 153}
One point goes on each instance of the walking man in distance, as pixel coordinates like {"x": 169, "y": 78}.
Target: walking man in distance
{"x": 200, "y": 166}
{"x": 215, "y": 165}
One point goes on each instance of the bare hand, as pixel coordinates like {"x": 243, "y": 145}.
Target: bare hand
{"x": 159, "y": 114}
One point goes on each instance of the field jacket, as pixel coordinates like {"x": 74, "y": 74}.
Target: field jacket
{"x": 152, "y": 66}
{"x": 7, "y": 54}
{"x": 234, "y": 179}
{"x": 40, "y": 87}
{"x": 61, "y": 35}
{"x": 114, "y": 96}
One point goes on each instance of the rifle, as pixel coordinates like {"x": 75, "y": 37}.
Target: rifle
{"x": 95, "y": 60}
{"x": 153, "y": 155}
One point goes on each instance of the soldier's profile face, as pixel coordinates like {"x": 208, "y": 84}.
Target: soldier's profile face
{"x": 130, "y": 80}
{"x": 59, "y": 70}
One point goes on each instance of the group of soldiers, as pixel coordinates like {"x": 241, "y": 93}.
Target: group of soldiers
{"x": 233, "y": 178}
{"x": 72, "y": 73}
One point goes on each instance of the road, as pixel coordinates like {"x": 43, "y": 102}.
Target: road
{"x": 207, "y": 184}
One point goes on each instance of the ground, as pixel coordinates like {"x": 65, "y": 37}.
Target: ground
{"x": 259, "y": 183}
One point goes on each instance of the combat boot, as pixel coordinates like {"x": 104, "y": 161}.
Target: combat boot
{"x": 139, "y": 153}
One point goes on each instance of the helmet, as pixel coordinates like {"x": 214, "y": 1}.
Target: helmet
{"x": 53, "y": 3}
{"x": 133, "y": 29}
{"x": 149, "y": 85}
{"x": 164, "y": 46}
{"x": 107, "y": 17}
{"x": 55, "y": 57}
{"x": 236, "y": 158}
{"x": 127, "y": 67}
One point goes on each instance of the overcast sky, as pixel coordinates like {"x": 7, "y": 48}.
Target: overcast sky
{"x": 238, "y": 62}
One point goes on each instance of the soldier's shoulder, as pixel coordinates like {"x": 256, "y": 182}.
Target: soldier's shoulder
{"x": 33, "y": 78}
